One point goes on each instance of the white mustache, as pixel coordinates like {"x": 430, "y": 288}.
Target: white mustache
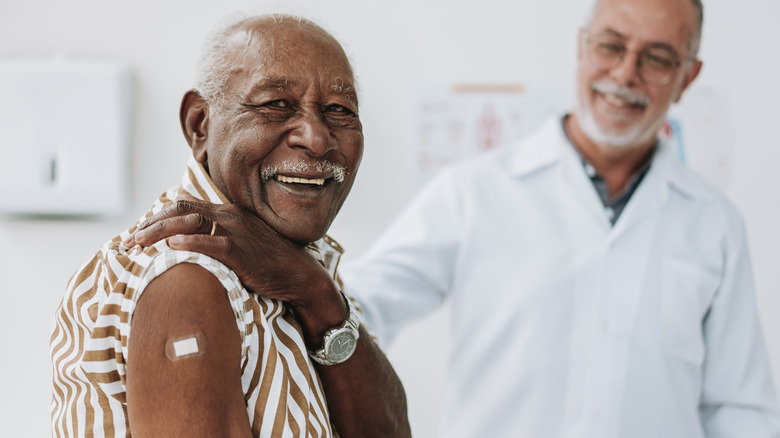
{"x": 607, "y": 87}
{"x": 338, "y": 172}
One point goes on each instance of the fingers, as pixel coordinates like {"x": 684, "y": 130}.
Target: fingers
{"x": 186, "y": 215}
{"x": 184, "y": 196}
{"x": 167, "y": 227}
{"x": 181, "y": 207}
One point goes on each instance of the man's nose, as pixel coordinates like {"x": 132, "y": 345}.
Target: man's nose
{"x": 312, "y": 133}
{"x": 626, "y": 72}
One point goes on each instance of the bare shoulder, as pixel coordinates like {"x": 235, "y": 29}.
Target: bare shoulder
{"x": 191, "y": 295}
{"x": 184, "y": 359}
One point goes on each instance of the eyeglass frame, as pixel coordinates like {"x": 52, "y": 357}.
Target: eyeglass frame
{"x": 677, "y": 63}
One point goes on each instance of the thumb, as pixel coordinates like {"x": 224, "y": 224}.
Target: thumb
{"x": 184, "y": 196}
{"x": 212, "y": 246}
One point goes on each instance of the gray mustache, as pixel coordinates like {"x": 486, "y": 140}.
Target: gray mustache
{"x": 606, "y": 87}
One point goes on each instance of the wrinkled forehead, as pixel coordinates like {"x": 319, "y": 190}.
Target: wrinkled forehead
{"x": 292, "y": 52}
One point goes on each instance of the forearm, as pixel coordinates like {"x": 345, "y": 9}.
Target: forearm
{"x": 365, "y": 396}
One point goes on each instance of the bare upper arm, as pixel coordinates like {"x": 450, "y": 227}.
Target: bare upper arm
{"x": 199, "y": 395}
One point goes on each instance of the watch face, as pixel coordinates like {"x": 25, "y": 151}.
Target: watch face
{"x": 341, "y": 346}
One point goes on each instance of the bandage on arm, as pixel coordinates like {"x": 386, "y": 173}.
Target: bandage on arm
{"x": 187, "y": 346}
{"x": 183, "y": 364}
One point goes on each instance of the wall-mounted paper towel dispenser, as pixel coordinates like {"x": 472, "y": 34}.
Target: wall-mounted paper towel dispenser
{"x": 64, "y": 137}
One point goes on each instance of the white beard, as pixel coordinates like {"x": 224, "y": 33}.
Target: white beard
{"x": 634, "y": 136}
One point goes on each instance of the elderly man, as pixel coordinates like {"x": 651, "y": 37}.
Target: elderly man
{"x": 598, "y": 287}
{"x": 158, "y": 342}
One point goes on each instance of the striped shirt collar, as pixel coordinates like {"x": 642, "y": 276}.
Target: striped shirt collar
{"x": 197, "y": 182}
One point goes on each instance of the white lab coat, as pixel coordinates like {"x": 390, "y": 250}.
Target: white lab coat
{"x": 564, "y": 326}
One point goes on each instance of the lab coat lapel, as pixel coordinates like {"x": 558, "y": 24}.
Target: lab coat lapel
{"x": 650, "y": 195}
{"x": 549, "y": 146}
{"x": 582, "y": 187}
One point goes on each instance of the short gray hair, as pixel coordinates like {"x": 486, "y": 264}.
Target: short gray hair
{"x": 695, "y": 41}
{"x": 214, "y": 67}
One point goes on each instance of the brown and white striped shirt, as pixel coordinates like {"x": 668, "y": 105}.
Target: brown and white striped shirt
{"x": 89, "y": 341}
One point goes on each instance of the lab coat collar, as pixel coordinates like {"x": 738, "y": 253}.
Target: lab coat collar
{"x": 680, "y": 177}
{"x": 542, "y": 148}
{"x": 549, "y": 146}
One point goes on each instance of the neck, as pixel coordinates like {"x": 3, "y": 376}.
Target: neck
{"x": 615, "y": 164}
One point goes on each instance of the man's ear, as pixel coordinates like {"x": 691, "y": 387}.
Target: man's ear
{"x": 194, "y": 118}
{"x": 690, "y": 75}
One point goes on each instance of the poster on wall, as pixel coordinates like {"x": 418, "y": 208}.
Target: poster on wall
{"x": 703, "y": 134}
{"x": 457, "y": 122}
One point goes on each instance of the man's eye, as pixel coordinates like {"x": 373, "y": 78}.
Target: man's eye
{"x": 340, "y": 116}
{"x": 278, "y": 104}
{"x": 657, "y": 61}
{"x": 335, "y": 108}
{"x": 610, "y": 48}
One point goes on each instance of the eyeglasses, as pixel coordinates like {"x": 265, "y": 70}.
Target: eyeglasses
{"x": 655, "y": 65}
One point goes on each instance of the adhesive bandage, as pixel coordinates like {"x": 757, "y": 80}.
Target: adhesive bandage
{"x": 184, "y": 347}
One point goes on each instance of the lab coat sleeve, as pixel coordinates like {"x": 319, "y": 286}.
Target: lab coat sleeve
{"x": 409, "y": 270}
{"x": 738, "y": 398}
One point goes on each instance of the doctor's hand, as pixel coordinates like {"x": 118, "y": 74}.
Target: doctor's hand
{"x": 267, "y": 263}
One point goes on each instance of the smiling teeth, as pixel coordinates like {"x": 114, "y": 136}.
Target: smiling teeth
{"x": 287, "y": 179}
{"x": 622, "y": 102}
{"x": 614, "y": 100}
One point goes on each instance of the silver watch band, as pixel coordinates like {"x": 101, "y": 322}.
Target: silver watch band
{"x": 339, "y": 343}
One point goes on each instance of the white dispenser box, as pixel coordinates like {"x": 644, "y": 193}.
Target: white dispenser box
{"x": 64, "y": 137}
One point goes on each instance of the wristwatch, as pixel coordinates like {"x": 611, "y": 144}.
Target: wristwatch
{"x": 339, "y": 343}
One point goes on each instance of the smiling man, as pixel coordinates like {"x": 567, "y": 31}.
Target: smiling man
{"x": 636, "y": 59}
{"x": 158, "y": 342}
{"x": 598, "y": 288}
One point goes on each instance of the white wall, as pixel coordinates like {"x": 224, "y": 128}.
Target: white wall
{"x": 396, "y": 47}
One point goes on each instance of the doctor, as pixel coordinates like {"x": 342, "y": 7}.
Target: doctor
{"x": 598, "y": 288}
